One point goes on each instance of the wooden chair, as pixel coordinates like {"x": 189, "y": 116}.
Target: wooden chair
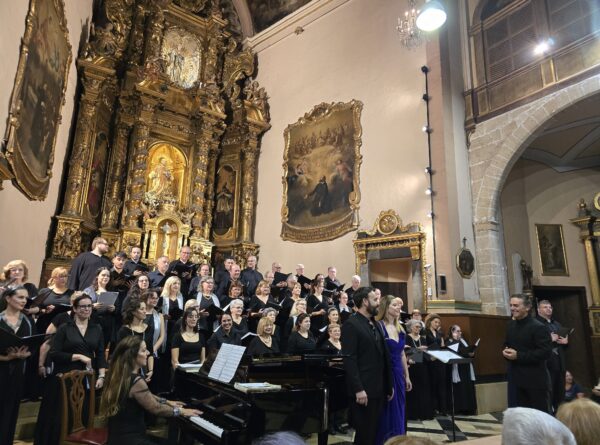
{"x": 73, "y": 397}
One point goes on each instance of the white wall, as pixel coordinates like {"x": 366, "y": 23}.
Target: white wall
{"x": 350, "y": 53}
{"x": 536, "y": 194}
{"x": 25, "y": 224}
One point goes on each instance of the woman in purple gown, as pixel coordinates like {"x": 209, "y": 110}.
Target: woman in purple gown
{"x": 393, "y": 419}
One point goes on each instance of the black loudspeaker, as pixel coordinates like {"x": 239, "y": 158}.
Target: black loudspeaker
{"x": 443, "y": 287}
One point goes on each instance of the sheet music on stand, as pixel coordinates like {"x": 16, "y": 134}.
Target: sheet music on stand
{"x": 226, "y": 364}
{"x": 444, "y": 356}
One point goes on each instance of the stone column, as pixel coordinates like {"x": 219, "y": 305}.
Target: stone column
{"x": 493, "y": 283}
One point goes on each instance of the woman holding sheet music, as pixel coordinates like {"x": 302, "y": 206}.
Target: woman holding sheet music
{"x": 54, "y": 299}
{"x": 437, "y": 370}
{"x": 189, "y": 344}
{"x": 463, "y": 374}
{"x": 103, "y": 315}
{"x": 317, "y": 305}
{"x": 12, "y": 360}
{"x": 418, "y": 401}
{"x": 258, "y": 303}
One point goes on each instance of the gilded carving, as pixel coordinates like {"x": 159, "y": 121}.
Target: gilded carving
{"x": 181, "y": 56}
{"x": 67, "y": 241}
{"x": 258, "y": 97}
{"x": 387, "y": 233}
{"x": 37, "y": 97}
{"x": 321, "y": 173}
{"x": 192, "y": 5}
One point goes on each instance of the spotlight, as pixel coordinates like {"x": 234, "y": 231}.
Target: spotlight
{"x": 430, "y": 215}
{"x": 425, "y": 69}
{"x": 432, "y": 16}
{"x": 428, "y": 170}
{"x": 425, "y": 97}
{"x": 428, "y": 191}
{"x": 426, "y": 129}
{"x": 543, "y": 47}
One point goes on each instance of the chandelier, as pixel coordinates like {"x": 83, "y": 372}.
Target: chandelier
{"x": 410, "y": 35}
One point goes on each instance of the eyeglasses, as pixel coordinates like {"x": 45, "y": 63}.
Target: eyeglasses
{"x": 85, "y": 306}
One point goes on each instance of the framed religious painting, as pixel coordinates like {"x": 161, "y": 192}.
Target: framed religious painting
{"x": 321, "y": 173}
{"x": 37, "y": 97}
{"x": 551, "y": 249}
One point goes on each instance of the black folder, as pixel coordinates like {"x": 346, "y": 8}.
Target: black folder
{"x": 275, "y": 306}
{"x": 10, "y": 340}
{"x": 179, "y": 269}
{"x": 214, "y": 310}
{"x": 247, "y": 338}
{"x": 279, "y": 278}
{"x": 303, "y": 280}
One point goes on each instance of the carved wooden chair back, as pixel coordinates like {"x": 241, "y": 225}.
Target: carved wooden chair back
{"x": 74, "y": 395}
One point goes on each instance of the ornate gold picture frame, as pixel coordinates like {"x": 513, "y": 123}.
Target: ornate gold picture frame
{"x": 551, "y": 249}
{"x": 37, "y": 97}
{"x": 321, "y": 165}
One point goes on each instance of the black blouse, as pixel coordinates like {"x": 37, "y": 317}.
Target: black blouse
{"x": 68, "y": 341}
{"x": 297, "y": 344}
{"x": 328, "y": 348}
{"x": 220, "y": 337}
{"x": 318, "y": 321}
{"x": 242, "y": 327}
{"x": 257, "y": 347}
{"x": 126, "y": 331}
{"x": 188, "y": 351}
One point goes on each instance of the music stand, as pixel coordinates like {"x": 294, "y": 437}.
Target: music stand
{"x": 449, "y": 357}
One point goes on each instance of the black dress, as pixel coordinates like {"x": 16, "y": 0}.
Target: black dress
{"x": 328, "y": 348}
{"x": 241, "y": 327}
{"x": 314, "y": 304}
{"x": 465, "y": 401}
{"x": 126, "y": 331}
{"x": 128, "y": 426}
{"x": 188, "y": 351}
{"x": 12, "y": 376}
{"x": 49, "y": 297}
{"x": 257, "y": 347}
{"x": 437, "y": 373}
{"x": 297, "y": 344}
{"x": 419, "y": 405}
{"x": 257, "y": 305}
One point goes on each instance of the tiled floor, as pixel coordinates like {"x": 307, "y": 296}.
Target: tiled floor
{"x": 439, "y": 430}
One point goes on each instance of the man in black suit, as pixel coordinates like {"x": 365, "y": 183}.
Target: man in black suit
{"x": 527, "y": 348}
{"x": 367, "y": 366}
{"x": 134, "y": 266}
{"x": 556, "y": 362}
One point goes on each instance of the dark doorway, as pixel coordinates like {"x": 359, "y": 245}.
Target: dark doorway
{"x": 395, "y": 289}
{"x": 570, "y": 309}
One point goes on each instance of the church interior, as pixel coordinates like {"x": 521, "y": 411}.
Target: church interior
{"x": 451, "y": 168}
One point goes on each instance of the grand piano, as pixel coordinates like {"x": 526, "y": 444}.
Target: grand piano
{"x": 313, "y": 386}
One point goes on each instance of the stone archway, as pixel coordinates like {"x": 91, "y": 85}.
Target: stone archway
{"x": 495, "y": 146}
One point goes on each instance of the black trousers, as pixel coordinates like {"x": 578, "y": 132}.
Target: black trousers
{"x": 365, "y": 420}
{"x": 557, "y": 381}
{"x": 537, "y": 398}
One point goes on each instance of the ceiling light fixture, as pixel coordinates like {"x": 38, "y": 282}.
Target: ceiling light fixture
{"x": 432, "y": 16}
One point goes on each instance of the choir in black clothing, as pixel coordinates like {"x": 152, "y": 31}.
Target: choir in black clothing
{"x": 179, "y": 325}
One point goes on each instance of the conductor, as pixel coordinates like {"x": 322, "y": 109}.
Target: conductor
{"x": 367, "y": 366}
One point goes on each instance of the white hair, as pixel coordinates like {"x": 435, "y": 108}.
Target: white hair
{"x": 528, "y": 426}
{"x": 356, "y": 278}
{"x": 279, "y": 438}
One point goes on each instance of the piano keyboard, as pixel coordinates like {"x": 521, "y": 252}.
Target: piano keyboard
{"x": 206, "y": 425}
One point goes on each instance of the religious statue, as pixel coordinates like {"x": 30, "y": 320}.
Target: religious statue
{"x": 161, "y": 180}
{"x": 169, "y": 231}
{"x": 224, "y": 208}
{"x": 527, "y": 274}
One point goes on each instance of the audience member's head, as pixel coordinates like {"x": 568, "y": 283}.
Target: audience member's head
{"x": 528, "y": 426}
{"x": 279, "y": 438}
{"x": 409, "y": 440}
{"x": 582, "y": 417}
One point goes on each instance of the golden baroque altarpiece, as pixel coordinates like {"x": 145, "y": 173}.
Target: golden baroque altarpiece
{"x": 166, "y": 145}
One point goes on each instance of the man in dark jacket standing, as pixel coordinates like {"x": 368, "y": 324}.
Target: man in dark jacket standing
{"x": 528, "y": 345}
{"x": 367, "y": 366}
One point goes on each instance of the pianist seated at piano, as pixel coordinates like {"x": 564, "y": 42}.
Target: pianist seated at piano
{"x": 225, "y": 333}
{"x": 271, "y": 314}
{"x": 264, "y": 342}
{"x": 126, "y": 397}
{"x": 188, "y": 344}
{"x": 240, "y": 323}
{"x": 302, "y": 341}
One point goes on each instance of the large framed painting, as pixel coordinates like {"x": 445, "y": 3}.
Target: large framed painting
{"x": 321, "y": 173}
{"x": 551, "y": 248}
{"x": 37, "y": 97}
